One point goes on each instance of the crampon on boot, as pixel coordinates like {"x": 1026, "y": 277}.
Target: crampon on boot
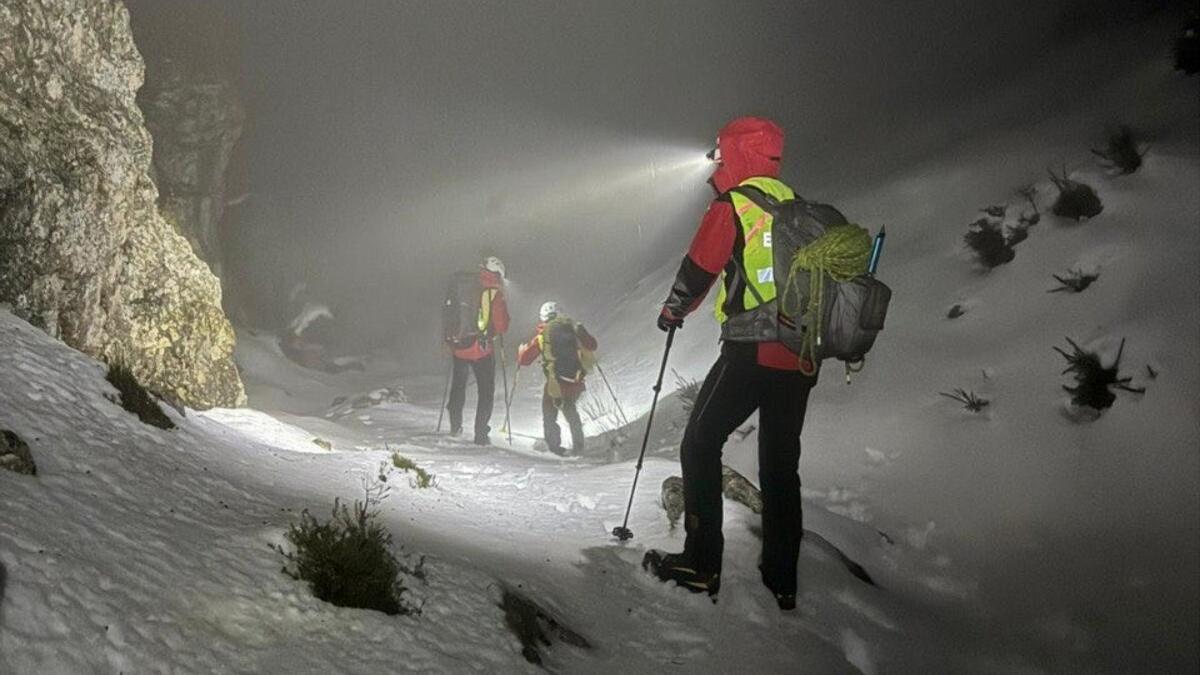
{"x": 679, "y": 568}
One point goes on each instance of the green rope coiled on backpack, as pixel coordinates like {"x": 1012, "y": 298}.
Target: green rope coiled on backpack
{"x": 841, "y": 254}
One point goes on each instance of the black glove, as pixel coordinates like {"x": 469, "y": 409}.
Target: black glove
{"x": 667, "y": 321}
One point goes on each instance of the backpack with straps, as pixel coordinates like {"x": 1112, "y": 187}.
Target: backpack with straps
{"x": 460, "y": 312}
{"x": 563, "y": 357}
{"x": 828, "y": 306}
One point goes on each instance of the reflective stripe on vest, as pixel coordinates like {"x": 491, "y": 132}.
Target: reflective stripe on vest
{"x": 485, "y": 309}
{"x": 757, "y": 256}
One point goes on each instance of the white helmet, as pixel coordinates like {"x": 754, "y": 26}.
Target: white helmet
{"x": 494, "y": 264}
{"x": 548, "y": 311}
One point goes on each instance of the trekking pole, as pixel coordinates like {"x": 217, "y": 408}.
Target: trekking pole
{"x": 624, "y": 419}
{"x": 445, "y": 393}
{"x": 504, "y": 374}
{"x": 623, "y": 533}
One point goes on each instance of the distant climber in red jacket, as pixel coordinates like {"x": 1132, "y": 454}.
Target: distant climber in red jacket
{"x": 476, "y": 351}
{"x": 567, "y": 352}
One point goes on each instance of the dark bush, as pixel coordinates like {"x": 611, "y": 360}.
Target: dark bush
{"x": 989, "y": 244}
{"x": 1017, "y": 234}
{"x": 1075, "y": 200}
{"x": 347, "y": 561}
{"x": 995, "y": 210}
{"x": 956, "y": 311}
{"x": 1075, "y": 281}
{"x": 969, "y": 400}
{"x": 135, "y": 399}
{"x": 1187, "y": 48}
{"x": 1093, "y": 380}
{"x": 1121, "y": 152}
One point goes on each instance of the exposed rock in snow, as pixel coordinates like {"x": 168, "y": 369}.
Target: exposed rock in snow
{"x": 86, "y": 255}
{"x": 734, "y": 486}
{"x": 535, "y": 627}
{"x": 196, "y": 119}
{"x": 15, "y": 455}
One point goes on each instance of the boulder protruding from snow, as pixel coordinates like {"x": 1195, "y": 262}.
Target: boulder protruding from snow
{"x": 15, "y": 455}
{"x": 734, "y": 486}
{"x": 84, "y": 253}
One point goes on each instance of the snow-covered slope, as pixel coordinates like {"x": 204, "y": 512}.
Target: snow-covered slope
{"x": 141, "y": 550}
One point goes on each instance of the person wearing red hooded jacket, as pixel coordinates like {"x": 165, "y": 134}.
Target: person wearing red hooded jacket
{"x": 479, "y": 356}
{"x": 749, "y": 375}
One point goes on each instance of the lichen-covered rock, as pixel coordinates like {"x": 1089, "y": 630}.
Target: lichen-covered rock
{"x": 734, "y": 486}
{"x": 196, "y": 120}
{"x": 738, "y": 488}
{"x": 15, "y": 455}
{"x": 671, "y": 499}
{"x": 84, "y": 253}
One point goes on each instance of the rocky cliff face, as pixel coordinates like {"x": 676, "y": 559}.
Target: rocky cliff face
{"x": 195, "y": 119}
{"x": 84, "y": 252}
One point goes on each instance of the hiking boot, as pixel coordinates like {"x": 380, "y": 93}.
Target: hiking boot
{"x": 786, "y": 601}
{"x": 456, "y": 432}
{"x": 678, "y": 567}
{"x": 483, "y": 440}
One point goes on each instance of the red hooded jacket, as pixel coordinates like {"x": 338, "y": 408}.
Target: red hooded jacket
{"x": 749, "y": 147}
{"x": 497, "y": 313}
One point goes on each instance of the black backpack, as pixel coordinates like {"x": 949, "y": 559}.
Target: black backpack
{"x": 561, "y": 350}
{"x": 460, "y": 313}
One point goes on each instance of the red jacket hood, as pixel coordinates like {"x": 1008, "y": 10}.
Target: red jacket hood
{"x": 750, "y": 146}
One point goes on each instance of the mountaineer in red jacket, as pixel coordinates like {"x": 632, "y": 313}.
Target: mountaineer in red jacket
{"x": 472, "y": 342}
{"x": 567, "y": 352}
{"x": 733, "y": 245}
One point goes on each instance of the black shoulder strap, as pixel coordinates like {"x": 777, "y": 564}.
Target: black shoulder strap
{"x": 761, "y": 199}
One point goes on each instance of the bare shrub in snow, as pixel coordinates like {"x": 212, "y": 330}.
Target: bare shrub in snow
{"x": 956, "y": 311}
{"x": 1187, "y": 48}
{"x": 1075, "y": 281}
{"x": 347, "y": 560}
{"x": 1033, "y": 216}
{"x": 1122, "y": 152}
{"x": 986, "y": 239}
{"x": 420, "y": 479}
{"x": 534, "y": 626}
{"x": 135, "y": 399}
{"x": 1076, "y": 200}
{"x": 969, "y": 400}
{"x": 1094, "y": 382}
{"x": 601, "y": 412}
{"x": 15, "y": 455}
{"x": 688, "y": 390}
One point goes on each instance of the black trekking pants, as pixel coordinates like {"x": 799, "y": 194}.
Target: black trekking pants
{"x": 550, "y": 430}
{"x": 731, "y": 392}
{"x": 485, "y": 378}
